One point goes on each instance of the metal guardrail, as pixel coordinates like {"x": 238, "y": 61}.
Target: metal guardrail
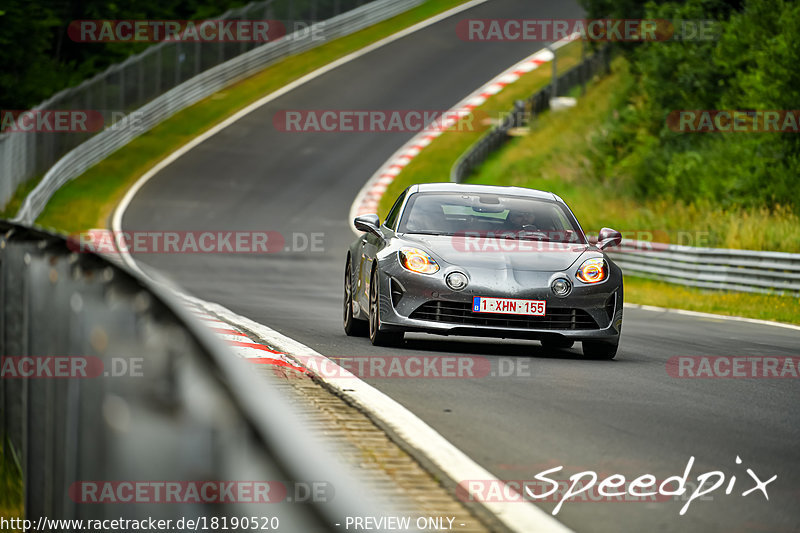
{"x": 524, "y": 111}
{"x": 18, "y": 151}
{"x": 711, "y": 268}
{"x": 191, "y": 411}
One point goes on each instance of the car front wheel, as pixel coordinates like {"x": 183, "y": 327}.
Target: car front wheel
{"x": 600, "y": 350}
{"x": 353, "y": 327}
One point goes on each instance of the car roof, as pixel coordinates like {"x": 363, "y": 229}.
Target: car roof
{"x": 481, "y": 189}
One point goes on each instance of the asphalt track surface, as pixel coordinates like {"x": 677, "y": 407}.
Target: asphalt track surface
{"x": 628, "y": 416}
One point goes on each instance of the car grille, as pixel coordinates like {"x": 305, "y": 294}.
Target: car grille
{"x": 461, "y": 313}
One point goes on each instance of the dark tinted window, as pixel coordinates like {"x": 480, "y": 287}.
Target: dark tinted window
{"x": 489, "y": 214}
{"x": 391, "y": 218}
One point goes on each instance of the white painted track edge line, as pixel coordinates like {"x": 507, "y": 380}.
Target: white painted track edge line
{"x": 405, "y": 425}
{"x": 715, "y": 316}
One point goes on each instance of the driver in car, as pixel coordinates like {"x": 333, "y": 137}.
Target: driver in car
{"x": 426, "y": 217}
{"x": 521, "y": 221}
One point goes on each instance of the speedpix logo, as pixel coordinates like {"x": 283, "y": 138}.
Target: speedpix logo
{"x": 589, "y": 486}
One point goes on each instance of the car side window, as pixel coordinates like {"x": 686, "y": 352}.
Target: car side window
{"x": 391, "y": 218}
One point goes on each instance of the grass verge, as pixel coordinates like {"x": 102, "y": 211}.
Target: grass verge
{"x": 22, "y": 191}
{"x": 11, "y": 502}
{"x": 761, "y": 306}
{"x": 88, "y": 201}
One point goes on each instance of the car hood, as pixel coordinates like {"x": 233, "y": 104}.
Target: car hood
{"x": 499, "y": 254}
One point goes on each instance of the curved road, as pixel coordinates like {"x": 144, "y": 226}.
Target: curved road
{"x": 627, "y": 416}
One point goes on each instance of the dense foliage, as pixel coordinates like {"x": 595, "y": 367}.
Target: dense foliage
{"x": 751, "y": 64}
{"x": 38, "y": 58}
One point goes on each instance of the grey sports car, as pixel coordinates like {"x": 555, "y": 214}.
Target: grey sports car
{"x": 488, "y": 261}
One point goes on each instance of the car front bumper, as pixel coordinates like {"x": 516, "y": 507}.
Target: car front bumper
{"x": 424, "y": 303}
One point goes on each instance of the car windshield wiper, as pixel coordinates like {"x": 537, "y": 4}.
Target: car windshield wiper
{"x": 427, "y": 233}
{"x": 532, "y": 236}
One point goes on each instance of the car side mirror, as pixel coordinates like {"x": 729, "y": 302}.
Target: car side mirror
{"x": 369, "y": 223}
{"x": 608, "y": 237}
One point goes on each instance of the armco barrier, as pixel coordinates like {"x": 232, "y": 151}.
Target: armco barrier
{"x": 168, "y": 401}
{"x": 711, "y": 268}
{"x": 17, "y": 151}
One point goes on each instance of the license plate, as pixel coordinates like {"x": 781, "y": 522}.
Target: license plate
{"x": 508, "y": 306}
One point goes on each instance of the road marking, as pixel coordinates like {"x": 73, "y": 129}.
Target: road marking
{"x": 713, "y": 316}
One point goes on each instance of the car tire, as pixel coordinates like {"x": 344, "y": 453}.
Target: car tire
{"x": 378, "y": 337}
{"x": 557, "y": 344}
{"x": 600, "y": 350}
{"x": 353, "y": 327}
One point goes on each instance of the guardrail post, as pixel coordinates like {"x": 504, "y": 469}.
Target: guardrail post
{"x": 554, "y": 75}
{"x": 584, "y": 74}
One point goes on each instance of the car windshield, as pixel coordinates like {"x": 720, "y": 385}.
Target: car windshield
{"x": 489, "y": 215}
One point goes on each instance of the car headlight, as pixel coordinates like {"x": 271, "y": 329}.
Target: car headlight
{"x": 593, "y": 270}
{"x": 418, "y": 261}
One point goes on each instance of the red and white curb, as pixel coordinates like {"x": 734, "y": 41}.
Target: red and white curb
{"x": 370, "y": 195}
{"x": 239, "y": 342}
